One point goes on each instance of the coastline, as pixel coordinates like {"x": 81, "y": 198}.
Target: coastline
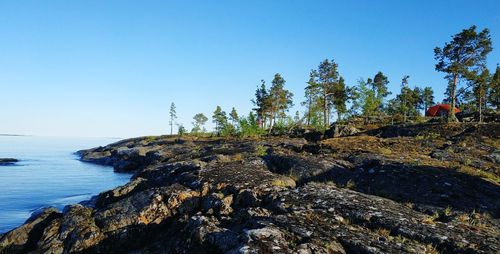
{"x": 215, "y": 195}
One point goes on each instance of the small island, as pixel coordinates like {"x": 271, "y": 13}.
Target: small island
{"x": 7, "y": 161}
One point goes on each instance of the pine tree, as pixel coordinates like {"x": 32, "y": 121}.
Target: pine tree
{"x": 199, "y": 121}
{"x": 233, "y": 116}
{"x": 417, "y": 100}
{"x": 279, "y": 99}
{"x": 481, "y": 86}
{"x": 249, "y": 126}
{"x": 328, "y": 76}
{"x": 427, "y": 97}
{"x": 181, "y": 131}
{"x": 173, "y": 116}
{"x": 467, "y": 51}
{"x": 366, "y": 100}
{"x": 340, "y": 98}
{"x": 404, "y": 97}
{"x": 312, "y": 92}
{"x": 494, "y": 93}
{"x": 220, "y": 119}
{"x": 380, "y": 82}
{"x": 261, "y": 102}
{"x": 296, "y": 118}
{"x": 325, "y": 90}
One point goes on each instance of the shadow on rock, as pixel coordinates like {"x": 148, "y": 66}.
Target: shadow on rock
{"x": 424, "y": 185}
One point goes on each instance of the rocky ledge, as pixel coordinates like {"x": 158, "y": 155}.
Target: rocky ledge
{"x": 410, "y": 189}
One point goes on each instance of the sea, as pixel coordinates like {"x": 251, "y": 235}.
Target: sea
{"x": 49, "y": 174}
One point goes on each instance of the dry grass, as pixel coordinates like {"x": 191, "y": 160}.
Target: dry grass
{"x": 474, "y": 219}
{"x": 284, "y": 182}
{"x": 312, "y": 217}
{"x": 430, "y": 249}
{"x": 448, "y": 211}
{"x": 410, "y": 205}
{"x": 431, "y": 219}
{"x": 238, "y": 157}
{"x": 384, "y": 232}
{"x": 479, "y": 173}
{"x": 350, "y": 185}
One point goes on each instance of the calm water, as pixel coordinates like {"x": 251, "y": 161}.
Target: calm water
{"x": 49, "y": 174}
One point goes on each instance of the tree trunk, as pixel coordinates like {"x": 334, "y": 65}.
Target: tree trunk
{"x": 325, "y": 109}
{"x": 480, "y": 109}
{"x": 405, "y": 108}
{"x": 451, "y": 113}
{"x": 309, "y": 113}
{"x": 271, "y": 118}
{"x": 327, "y": 117}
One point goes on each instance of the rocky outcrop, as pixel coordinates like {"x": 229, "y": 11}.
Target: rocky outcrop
{"x": 341, "y": 130}
{"x": 357, "y": 194}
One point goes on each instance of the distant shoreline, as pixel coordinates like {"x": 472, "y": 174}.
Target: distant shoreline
{"x": 22, "y": 135}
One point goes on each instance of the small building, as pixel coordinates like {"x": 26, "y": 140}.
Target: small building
{"x": 439, "y": 110}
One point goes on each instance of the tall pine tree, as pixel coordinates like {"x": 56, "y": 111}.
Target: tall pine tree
{"x": 279, "y": 100}
{"x": 465, "y": 52}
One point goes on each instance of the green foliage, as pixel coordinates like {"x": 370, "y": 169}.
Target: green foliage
{"x": 271, "y": 104}
{"x": 410, "y": 101}
{"x": 181, "y": 131}
{"x": 261, "y": 102}
{"x": 198, "y": 125}
{"x": 427, "y": 97}
{"x": 228, "y": 130}
{"x": 284, "y": 125}
{"x": 314, "y": 103}
{"x": 280, "y": 100}
{"x": 260, "y": 150}
{"x": 340, "y": 97}
{"x": 326, "y": 90}
{"x": 494, "y": 92}
{"x": 380, "y": 82}
{"x": 220, "y": 119}
{"x": 365, "y": 100}
{"x": 481, "y": 86}
{"x": 233, "y": 116}
{"x": 368, "y": 96}
{"x": 249, "y": 126}
{"x": 297, "y": 119}
{"x": 326, "y": 93}
{"x": 460, "y": 57}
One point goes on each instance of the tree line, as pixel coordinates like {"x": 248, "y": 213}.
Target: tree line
{"x": 327, "y": 96}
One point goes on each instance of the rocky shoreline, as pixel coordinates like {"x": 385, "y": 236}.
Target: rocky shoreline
{"x": 408, "y": 189}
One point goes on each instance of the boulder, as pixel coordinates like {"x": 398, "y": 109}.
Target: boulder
{"x": 25, "y": 237}
{"x": 340, "y": 130}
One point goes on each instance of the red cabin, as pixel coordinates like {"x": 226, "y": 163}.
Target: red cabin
{"x": 440, "y": 110}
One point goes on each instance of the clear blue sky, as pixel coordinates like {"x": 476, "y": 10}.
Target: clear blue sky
{"x": 112, "y": 68}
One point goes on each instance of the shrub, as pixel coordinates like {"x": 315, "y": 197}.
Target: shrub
{"x": 260, "y": 150}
